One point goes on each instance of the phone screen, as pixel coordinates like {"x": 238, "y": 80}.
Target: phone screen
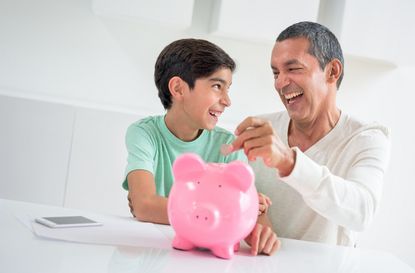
{"x": 68, "y": 220}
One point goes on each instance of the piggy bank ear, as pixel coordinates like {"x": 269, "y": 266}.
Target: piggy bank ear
{"x": 240, "y": 175}
{"x": 188, "y": 166}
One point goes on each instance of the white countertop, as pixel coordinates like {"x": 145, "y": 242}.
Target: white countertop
{"x": 22, "y": 251}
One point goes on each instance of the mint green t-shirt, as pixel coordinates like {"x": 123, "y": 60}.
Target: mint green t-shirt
{"x": 152, "y": 147}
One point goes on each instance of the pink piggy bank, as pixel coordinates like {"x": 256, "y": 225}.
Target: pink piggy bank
{"x": 212, "y": 205}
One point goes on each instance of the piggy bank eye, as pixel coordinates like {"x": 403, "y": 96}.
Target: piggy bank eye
{"x": 198, "y": 182}
{"x": 220, "y": 185}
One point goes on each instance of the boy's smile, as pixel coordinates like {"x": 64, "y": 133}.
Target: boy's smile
{"x": 215, "y": 114}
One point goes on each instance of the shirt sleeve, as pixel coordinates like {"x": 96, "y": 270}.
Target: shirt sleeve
{"x": 140, "y": 149}
{"x": 349, "y": 201}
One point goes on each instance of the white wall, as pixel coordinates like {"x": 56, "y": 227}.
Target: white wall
{"x": 85, "y": 66}
{"x": 379, "y": 93}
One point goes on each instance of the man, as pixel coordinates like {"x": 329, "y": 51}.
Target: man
{"x": 322, "y": 169}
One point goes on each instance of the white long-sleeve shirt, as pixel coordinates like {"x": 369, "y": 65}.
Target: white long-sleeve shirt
{"x": 335, "y": 186}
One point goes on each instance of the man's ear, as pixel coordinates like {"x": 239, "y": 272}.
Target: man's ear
{"x": 176, "y": 85}
{"x": 334, "y": 70}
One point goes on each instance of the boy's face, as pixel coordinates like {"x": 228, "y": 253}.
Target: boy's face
{"x": 203, "y": 105}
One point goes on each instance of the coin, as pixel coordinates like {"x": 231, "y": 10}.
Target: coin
{"x": 226, "y": 149}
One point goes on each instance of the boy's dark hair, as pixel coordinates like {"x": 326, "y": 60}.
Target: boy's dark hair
{"x": 323, "y": 43}
{"x": 189, "y": 59}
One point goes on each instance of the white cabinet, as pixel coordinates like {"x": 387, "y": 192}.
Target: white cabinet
{"x": 378, "y": 30}
{"x": 260, "y": 20}
{"x": 35, "y": 144}
{"x": 98, "y": 160}
{"x": 381, "y": 30}
{"x": 176, "y": 13}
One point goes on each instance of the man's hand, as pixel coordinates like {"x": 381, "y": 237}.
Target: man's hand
{"x": 263, "y": 240}
{"x": 258, "y": 139}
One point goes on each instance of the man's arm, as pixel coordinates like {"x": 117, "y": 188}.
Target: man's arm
{"x": 145, "y": 204}
{"x": 348, "y": 201}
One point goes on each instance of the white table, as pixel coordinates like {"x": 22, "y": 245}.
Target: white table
{"x": 22, "y": 251}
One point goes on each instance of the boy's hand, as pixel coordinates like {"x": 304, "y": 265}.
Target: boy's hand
{"x": 264, "y": 203}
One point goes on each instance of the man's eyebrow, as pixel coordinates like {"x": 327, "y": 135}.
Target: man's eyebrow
{"x": 292, "y": 61}
{"x": 287, "y": 63}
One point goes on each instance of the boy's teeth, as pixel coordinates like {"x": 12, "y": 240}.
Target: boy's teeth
{"x": 216, "y": 114}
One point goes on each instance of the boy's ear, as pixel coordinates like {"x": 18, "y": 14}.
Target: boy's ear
{"x": 176, "y": 85}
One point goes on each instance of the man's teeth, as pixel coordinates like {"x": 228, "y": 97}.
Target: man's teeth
{"x": 292, "y": 95}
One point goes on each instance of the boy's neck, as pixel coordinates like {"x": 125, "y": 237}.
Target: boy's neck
{"x": 180, "y": 127}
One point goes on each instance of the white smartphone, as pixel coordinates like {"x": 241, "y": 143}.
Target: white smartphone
{"x": 67, "y": 221}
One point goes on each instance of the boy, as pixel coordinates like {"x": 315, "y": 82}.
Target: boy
{"x": 193, "y": 78}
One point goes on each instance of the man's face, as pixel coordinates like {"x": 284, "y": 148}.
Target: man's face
{"x": 299, "y": 80}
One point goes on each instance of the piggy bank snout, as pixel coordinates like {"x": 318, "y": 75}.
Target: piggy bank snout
{"x": 205, "y": 215}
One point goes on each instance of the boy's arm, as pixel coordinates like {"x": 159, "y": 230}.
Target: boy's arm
{"x": 145, "y": 204}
